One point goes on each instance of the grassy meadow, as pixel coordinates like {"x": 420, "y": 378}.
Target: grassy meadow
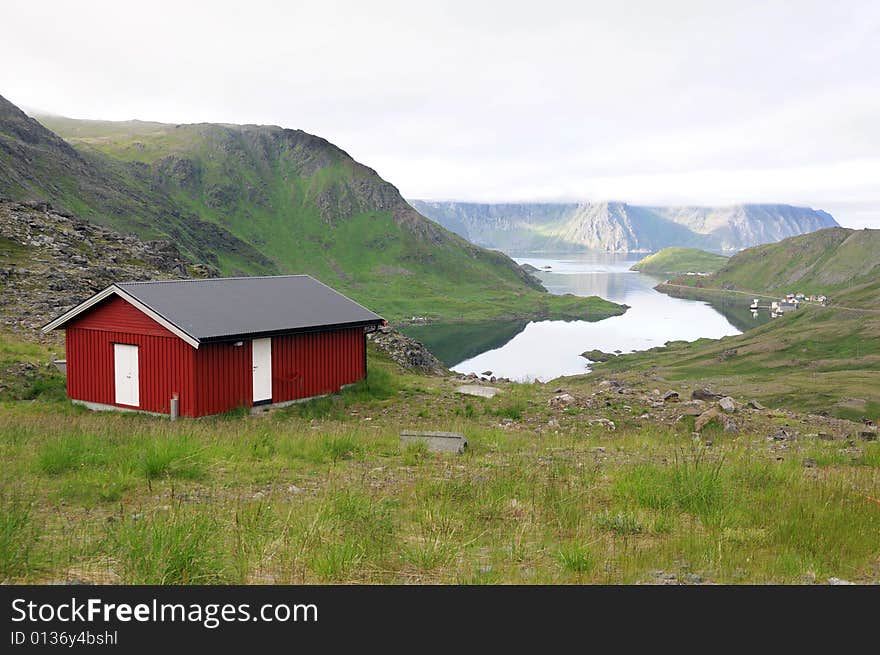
{"x": 322, "y": 493}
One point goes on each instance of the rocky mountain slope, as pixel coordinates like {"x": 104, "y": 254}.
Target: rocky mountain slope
{"x": 621, "y": 227}
{"x": 51, "y": 260}
{"x": 249, "y": 199}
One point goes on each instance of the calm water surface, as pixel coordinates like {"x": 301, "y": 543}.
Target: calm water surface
{"x": 547, "y": 349}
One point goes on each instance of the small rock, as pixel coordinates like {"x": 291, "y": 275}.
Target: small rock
{"x": 839, "y": 581}
{"x": 606, "y": 423}
{"x": 754, "y": 404}
{"x": 293, "y": 489}
{"x": 692, "y": 578}
{"x": 671, "y": 397}
{"x": 727, "y": 404}
{"x": 487, "y": 373}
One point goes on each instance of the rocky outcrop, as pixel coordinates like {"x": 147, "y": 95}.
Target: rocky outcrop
{"x": 408, "y": 353}
{"x": 597, "y": 355}
{"x": 50, "y": 261}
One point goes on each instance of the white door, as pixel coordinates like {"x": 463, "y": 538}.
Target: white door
{"x": 125, "y": 369}
{"x": 262, "y": 361}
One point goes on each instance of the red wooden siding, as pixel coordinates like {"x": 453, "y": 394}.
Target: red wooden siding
{"x": 116, "y": 315}
{"x": 212, "y": 379}
{"x": 316, "y": 363}
{"x": 165, "y": 367}
{"x": 223, "y": 377}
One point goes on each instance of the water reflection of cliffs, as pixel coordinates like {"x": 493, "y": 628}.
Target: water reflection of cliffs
{"x": 599, "y": 283}
{"x": 452, "y": 343}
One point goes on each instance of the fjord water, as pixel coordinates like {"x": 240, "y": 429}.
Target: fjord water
{"x": 544, "y": 350}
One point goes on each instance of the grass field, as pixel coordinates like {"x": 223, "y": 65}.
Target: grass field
{"x": 322, "y": 493}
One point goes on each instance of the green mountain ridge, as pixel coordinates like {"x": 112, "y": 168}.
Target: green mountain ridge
{"x": 253, "y": 199}
{"x": 841, "y": 263}
{"x": 680, "y": 260}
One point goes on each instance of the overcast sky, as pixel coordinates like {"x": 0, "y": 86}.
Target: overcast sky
{"x": 648, "y": 102}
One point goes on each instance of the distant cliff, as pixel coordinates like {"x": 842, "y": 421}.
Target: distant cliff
{"x": 621, "y": 227}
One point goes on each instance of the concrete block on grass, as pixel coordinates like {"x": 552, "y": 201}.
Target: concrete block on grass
{"x": 437, "y": 442}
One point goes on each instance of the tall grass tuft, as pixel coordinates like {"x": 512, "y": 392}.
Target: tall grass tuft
{"x": 173, "y": 457}
{"x": 576, "y": 558}
{"x": 171, "y": 547}
{"x": 17, "y": 538}
{"x": 693, "y": 484}
{"x": 69, "y": 452}
{"x": 380, "y": 384}
{"x": 622, "y": 523}
{"x": 341, "y": 447}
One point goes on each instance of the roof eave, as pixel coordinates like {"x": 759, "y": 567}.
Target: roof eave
{"x": 114, "y": 289}
{"x": 223, "y": 338}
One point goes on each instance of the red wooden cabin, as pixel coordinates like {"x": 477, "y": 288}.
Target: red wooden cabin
{"x": 213, "y": 344}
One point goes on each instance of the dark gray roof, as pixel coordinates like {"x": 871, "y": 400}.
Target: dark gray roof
{"x": 218, "y": 308}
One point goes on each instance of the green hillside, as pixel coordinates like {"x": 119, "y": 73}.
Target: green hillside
{"x": 671, "y": 261}
{"x": 262, "y": 199}
{"x": 817, "y": 359}
{"x": 841, "y": 263}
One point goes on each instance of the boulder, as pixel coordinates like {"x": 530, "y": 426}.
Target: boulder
{"x": 705, "y": 418}
{"x": 561, "y": 400}
{"x": 705, "y": 394}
